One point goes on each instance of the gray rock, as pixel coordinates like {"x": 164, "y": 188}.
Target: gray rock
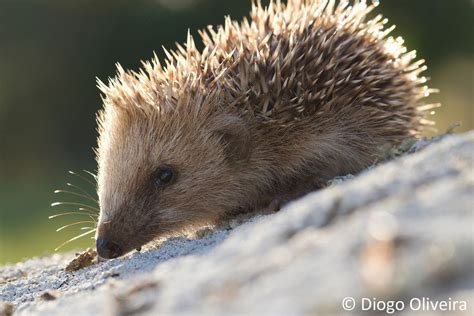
{"x": 399, "y": 232}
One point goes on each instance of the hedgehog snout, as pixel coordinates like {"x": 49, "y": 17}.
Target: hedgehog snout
{"x": 108, "y": 249}
{"x": 107, "y": 246}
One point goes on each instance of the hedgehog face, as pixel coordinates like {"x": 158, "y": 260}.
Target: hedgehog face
{"x": 157, "y": 177}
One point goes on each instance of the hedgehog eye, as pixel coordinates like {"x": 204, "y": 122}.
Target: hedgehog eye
{"x": 164, "y": 176}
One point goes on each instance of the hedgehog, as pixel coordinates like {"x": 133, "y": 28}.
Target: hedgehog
{"x": 270, "y": 109}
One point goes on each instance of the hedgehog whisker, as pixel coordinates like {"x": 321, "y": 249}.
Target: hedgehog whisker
{"x": 70, "y": 213}
{"x": 93, "y": 212}
{"x": 82, "y": 177}
{"x": 93, "y": 175}
{"x": 89, "y": 211}
{"x": 76, "y": 223}
{"x": 94, "y": 218}
{"x": 74, "y": 238}
{"x": 85, "y": 206}
{"x": 88, "y": 227}
{"x": 76, "y": 194}
{"x": 82, "y": 191}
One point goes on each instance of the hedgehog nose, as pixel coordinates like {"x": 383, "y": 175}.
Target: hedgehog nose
{"x": 108, "y": 249}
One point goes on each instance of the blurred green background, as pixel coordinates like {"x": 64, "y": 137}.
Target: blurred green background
{"x": 52, "y": 50}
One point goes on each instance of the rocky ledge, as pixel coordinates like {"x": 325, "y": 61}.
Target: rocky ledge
{"x": 400, "y": 232}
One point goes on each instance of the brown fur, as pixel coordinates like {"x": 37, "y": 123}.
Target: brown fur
{"x": 270, "y": 109}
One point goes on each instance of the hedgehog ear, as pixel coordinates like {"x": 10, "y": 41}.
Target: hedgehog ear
{"x": 234, "y": 137}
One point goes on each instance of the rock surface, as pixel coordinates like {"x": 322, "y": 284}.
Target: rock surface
{"x": 399, "y": 231}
